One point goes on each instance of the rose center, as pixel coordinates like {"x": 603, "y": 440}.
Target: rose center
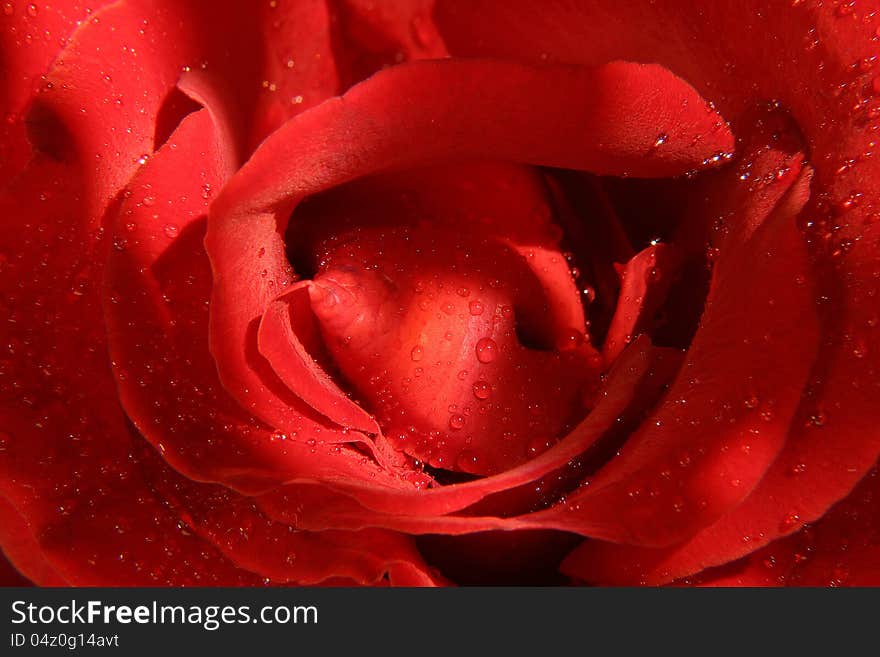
{"x": 469, "y": 360}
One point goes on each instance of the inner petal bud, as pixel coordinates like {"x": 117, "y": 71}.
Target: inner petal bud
{"x": 450, "y": 340}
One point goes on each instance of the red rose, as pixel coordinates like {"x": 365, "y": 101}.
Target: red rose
{"x": 440, "y": 292}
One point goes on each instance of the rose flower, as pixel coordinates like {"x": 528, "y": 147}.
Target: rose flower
{"x": 440, "y": 292}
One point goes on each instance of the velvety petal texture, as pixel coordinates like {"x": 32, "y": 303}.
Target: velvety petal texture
{"x": 83, "y": 499}
{"x": 828, "y": 87}
{"x": 425, "y": 292}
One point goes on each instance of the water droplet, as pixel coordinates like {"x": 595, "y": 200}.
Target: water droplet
{"x": 8, "y": 9}
{"x": 537, "y": 445}
{"x": 170, "y": 230}
{"x": 149, "y": 200}
{"x": 570, "y": 339}
{"x": 456, "y": 422}
{"x": 32, "y": 10}
{"x": 467, "y": 461}
{"x": 417, "y": 353}
{"x": 462, "y": 375}
{"x": 844, "y": 8}
{"x": 817, "y": 419}
{"x": 662, "y": 138}
{"x": 860, "y": 349}
{"x": 789, "y": 522}
{"x": 486, "y": 350}
{"x": 482, "y": 390}
{"x": 475, "y": 307}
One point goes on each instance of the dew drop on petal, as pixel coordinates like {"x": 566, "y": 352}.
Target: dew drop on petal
{"x": 482, "y": 390}
{"x": 570, "y": 339}
{"x": 860, "y": 349}
{"x": 467, "y": 461}
{"x": 789, "y": 522}
{"x": 486, "y": 350}
{"x": 537, "y": 445}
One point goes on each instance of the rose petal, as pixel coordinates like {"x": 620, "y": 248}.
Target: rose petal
{"x": 70, "y": 464}
{"x": 23, "y": 551}
{"x": 745, "y": 193}
{"x": 645, "y": 280}
{"x": 280, "y": 343}
{"x": 400, "y": 310}
{"x": 295, "y": 66}
{"x": 669, "y": 480}
{"x": 30, "y": 38}
{"x": 593, "y": 231}
{"x": 67, "y": 453}
{"x": 158, "y": 273}
{"x": 635, "y": 381}
{"x": 504, "y": 201}
{"x": 373, "y": 36}
{"x": 827, "y": 82}
{"x": 279, "y": 552}
{"x": 496, "y": 210}
{"x": 840, "y": 549}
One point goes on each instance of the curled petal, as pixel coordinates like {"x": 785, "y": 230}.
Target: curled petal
{"x": 669, "y": 481}
{"x": 284, "y": 348}
{"x": 645, "y": 280}
{"x": 633, "y": 384}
